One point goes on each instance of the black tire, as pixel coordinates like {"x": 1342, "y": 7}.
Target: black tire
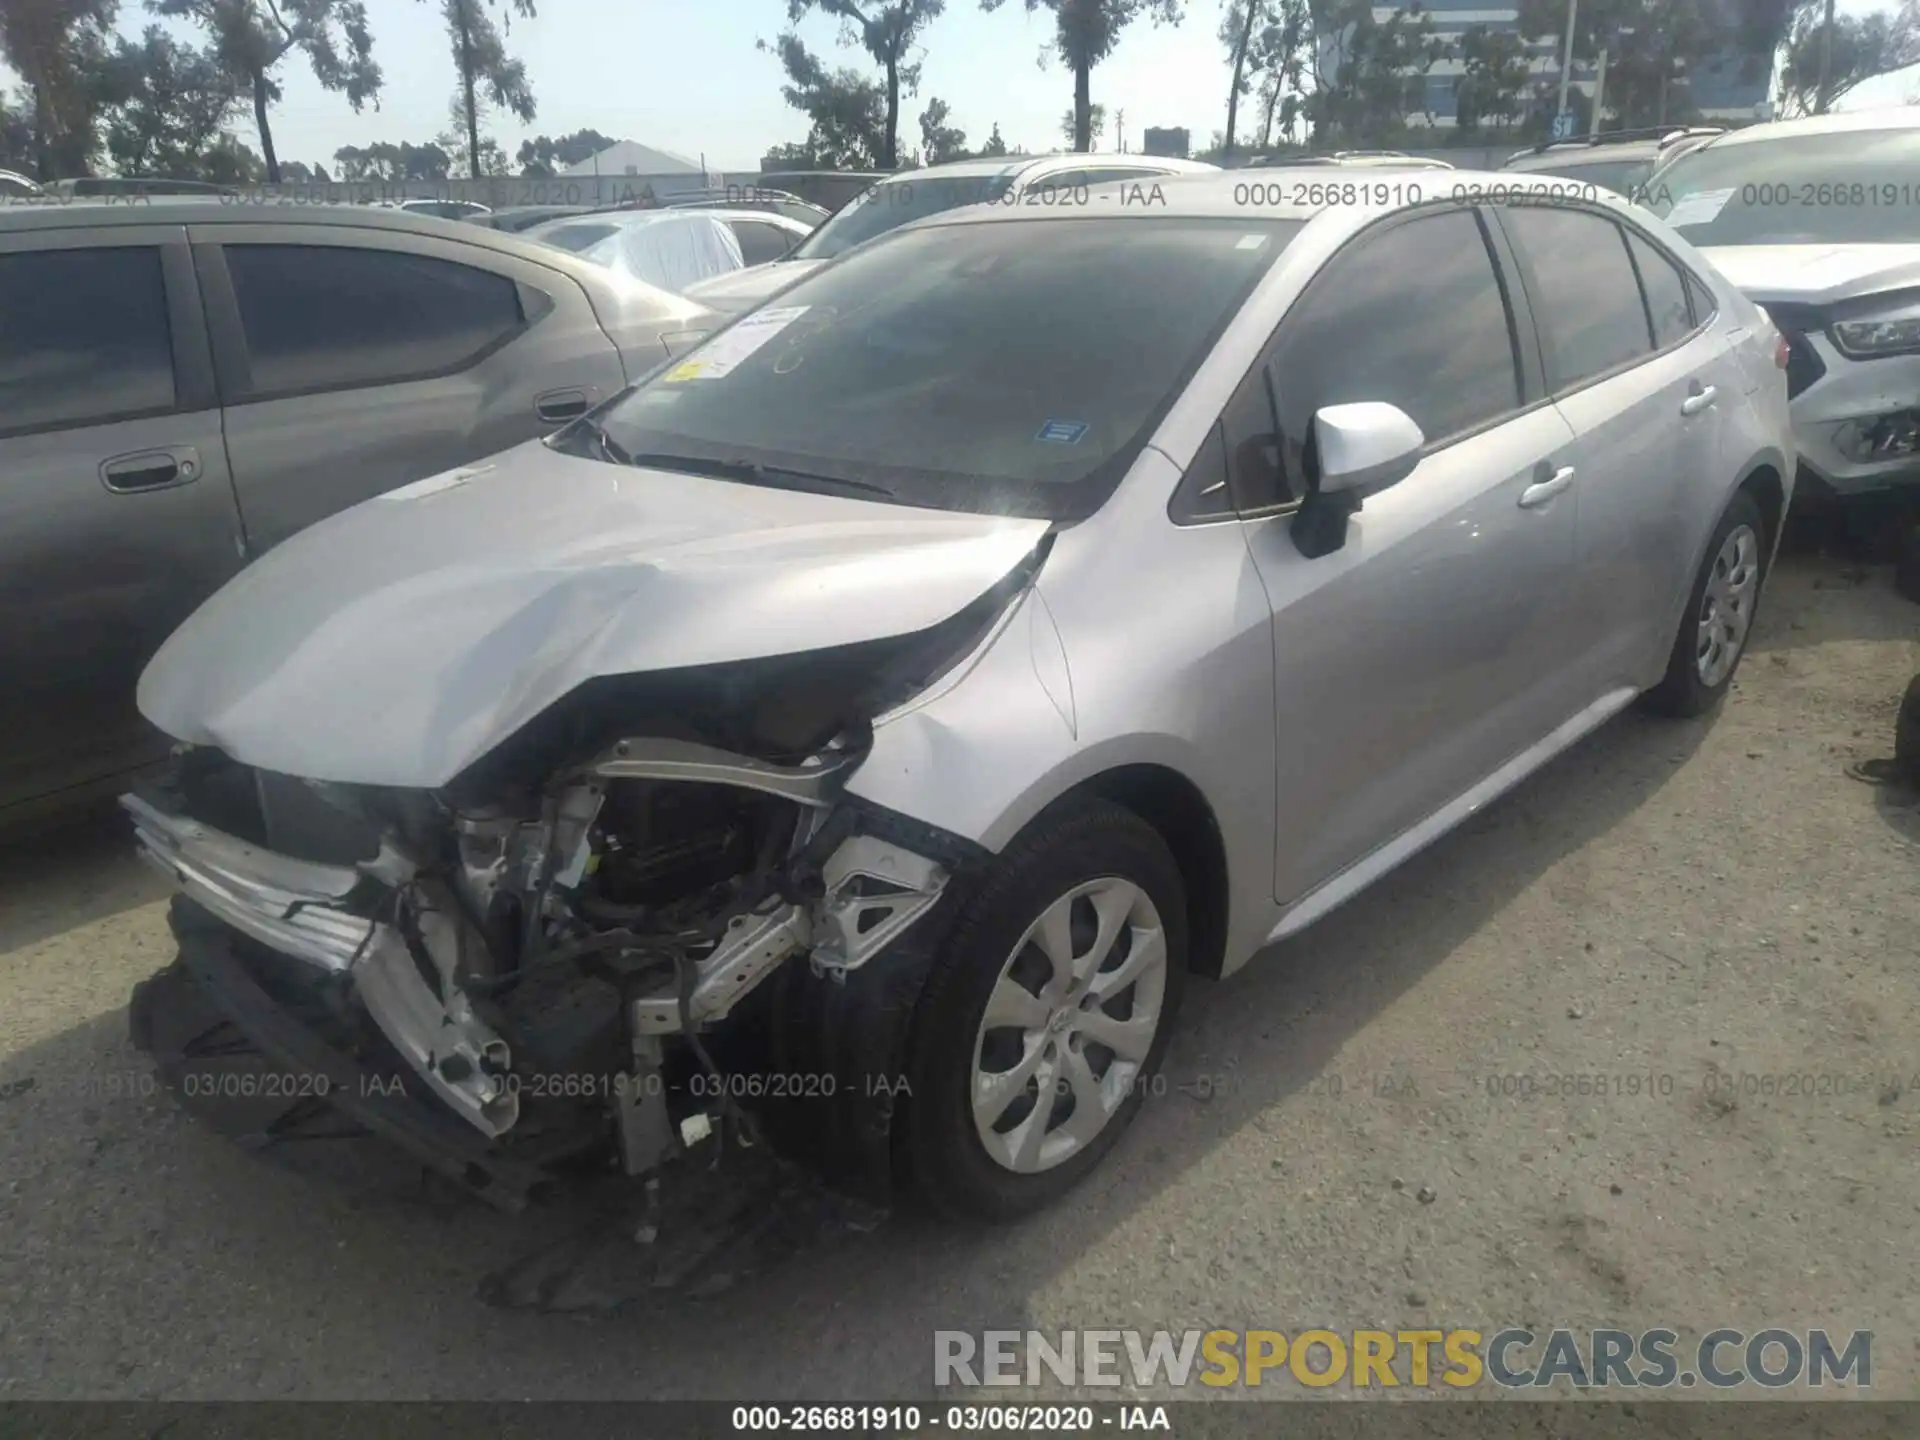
{"x": 1682, "y": 693}
{"x": 937, "y": 1142}
{"x": 1906, "y": 565}
{"x": 1906, "y": 734}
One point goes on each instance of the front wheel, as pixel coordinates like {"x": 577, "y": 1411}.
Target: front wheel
{"x": 1718, "y": 620}
{"x": 1046, "y": 1013}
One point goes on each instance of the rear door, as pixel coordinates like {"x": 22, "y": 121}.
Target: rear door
{"x": 354, "y": 361}
{"x": 116, "y": 513}
{"x": 1646, "y": 390}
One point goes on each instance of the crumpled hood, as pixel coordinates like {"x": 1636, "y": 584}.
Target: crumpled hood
{"x": 401, "y": 640}
{"x": 745, "y": 289}
{"x": 1815, "y": 274}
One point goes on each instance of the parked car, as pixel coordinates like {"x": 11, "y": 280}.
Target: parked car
{"x": 516, "y": 218}
{"x": 674, "y": 248}
{"x": 873, "y": 717}
{"x": 1025, "y": 181}
{"x": 1351, "y": 159}
{"x": 445, "y": 209}
{"x": 14, "y": 185}
{"x": 751, "y": 197}
{"x": 235, "y": 375}
{"x": 1818, "y": 221}
{"x": 1618, "y": 160}
{"x": 114, "y": 187}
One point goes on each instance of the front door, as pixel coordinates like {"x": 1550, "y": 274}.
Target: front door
{"x": 1418, "y": 658}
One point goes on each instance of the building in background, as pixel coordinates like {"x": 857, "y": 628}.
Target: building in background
{"x": 1716, "y": 88}
{"x": 629, "y": 157}
{"x": 1173, "y": 143}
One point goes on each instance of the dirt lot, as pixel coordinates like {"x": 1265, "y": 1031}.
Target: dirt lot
{"x": 1702, "y": 902}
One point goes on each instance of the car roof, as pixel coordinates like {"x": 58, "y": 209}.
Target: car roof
{"x": 1011, "y": 165}
{"x": 109, "y": 210}
{"x": 1887, "y": 117}
{"x": 1224, "y": 194}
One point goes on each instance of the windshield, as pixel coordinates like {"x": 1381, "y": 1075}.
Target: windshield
{"x": 891, "y": 204}
{"x": 1849, "y": 186}
{"x": 1618, "y": 175}
{"x": 1013, "y": 368}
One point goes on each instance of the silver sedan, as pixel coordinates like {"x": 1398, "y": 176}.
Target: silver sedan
{"x": 860, "y": 730}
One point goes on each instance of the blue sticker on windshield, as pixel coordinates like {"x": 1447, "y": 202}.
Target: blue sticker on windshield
{"x": 1062, "y": 432}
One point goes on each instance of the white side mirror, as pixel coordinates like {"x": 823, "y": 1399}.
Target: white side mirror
{"x": 1365, "y": 447}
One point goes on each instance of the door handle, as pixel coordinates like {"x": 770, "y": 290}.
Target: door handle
{"x": 556, "y": 406}
{"x": 1547, "y": 483}
{"x": 1698, "y": 400}
{"x": 150, "y": 470}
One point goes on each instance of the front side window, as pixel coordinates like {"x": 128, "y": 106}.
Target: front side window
{"x": 84, "y": 336}
{"x": 409, "y": 316}
{"x": 1013, "y": 368}
{"x": 1842, "y": 187}
{"x": 1413, "y": 316}
{"x": 893, "y": 203}
{"x": 1586, "y": 298}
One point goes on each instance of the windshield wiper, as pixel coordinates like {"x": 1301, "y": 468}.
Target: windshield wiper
{"x": 608, "y": 448}
{"x": 751, "y": 472}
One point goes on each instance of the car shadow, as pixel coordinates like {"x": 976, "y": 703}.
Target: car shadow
{"x": 65, "y": 871}
{"x": 1815, "y": 599}
{"x": 850, "y": 1309}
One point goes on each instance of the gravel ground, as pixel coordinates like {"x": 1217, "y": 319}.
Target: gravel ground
{"x": 1684, "y": 901}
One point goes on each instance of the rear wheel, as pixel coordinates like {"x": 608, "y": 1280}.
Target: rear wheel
{"x": 1718, "y": 620}
{"x": 1046, "y": 1013}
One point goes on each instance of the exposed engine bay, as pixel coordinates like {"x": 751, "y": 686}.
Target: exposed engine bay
{"x": 565, "y": 949}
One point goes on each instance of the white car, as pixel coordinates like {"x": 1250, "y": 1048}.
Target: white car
{"x": 675, "y": 248}
{"x": 1818, "y": 222}
{"x": 1029, "y": 181}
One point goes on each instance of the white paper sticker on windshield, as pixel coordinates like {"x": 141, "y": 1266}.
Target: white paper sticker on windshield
{"x": 1698, "y": 208}
{"x": 723, "y": 354}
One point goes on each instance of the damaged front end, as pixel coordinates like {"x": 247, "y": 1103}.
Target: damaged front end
{"x": 564, "y": 954}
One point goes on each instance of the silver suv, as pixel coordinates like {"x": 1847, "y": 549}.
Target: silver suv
{"x": 186, "y": 383}
{"x": 1619, "y": 160}
{"x": 1818, "y": 221}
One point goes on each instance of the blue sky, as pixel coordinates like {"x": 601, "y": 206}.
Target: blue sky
{"x": 683, "y": 75}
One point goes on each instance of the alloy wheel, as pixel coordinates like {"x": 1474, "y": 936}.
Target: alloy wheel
{"x": 1726, "y": 609}
{"x": 1069, "y": 1025}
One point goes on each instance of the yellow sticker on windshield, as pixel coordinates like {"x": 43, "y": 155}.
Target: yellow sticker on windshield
{"x": 685, "y": 370}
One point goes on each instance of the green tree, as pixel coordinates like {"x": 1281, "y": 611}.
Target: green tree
{"x": 1492, "y": 84}
{"x": 887, "y": 30}
{"x": 1852, "y": 49}
{"x": 941, "y": 142}
{"x": 1096, "y": 127}
{"x": 490, "y": 79}
{"x": 174, "y": 106}
{"x": 847, "y": 111}
{"x": 393, "y": 163}
{"x": 252, "y": 37}
{"x": 296, "y": 172}
{"x": 542, "y": 158}
{"x": 1361, "y": 78}
{"x": 59, "y": 48}
{"x": 16, "y": 136}
{"x": 1085, "y": 33}
{"x": 995, "y": 146}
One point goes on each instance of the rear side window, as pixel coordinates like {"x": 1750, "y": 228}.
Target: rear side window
{"x": 577, "y": 237}
{"x": 320, "y": 317}
{"x": 84, "y": 337}
{"x": 759, "y": 241}
{"x": 1666, "y": 292}
{"x": 1413, "y": 316}
{"x": 1586, "y": 297}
